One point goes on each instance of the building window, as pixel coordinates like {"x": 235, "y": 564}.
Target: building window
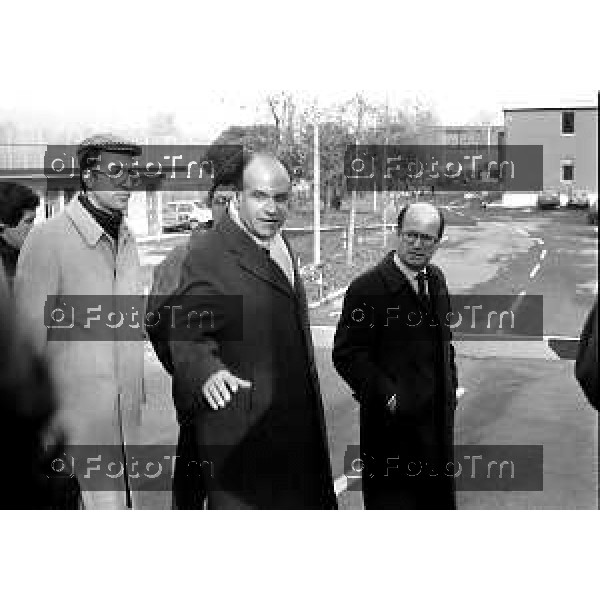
{"x": 568, "y": 122}
{"x": 567, "y": 171}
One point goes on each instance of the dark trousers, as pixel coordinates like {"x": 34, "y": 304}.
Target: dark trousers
{"x": 189, "y": 490}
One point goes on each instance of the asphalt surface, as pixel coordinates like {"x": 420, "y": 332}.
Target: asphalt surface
{"x": 520, "y": 392}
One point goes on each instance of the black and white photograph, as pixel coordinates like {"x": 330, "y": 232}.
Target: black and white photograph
{"x": 296, "y": 257}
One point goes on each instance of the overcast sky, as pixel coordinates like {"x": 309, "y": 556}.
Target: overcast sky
{"x": 117, "y": 66}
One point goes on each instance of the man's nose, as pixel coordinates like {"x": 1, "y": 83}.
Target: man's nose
{"x": 418, "y": 241}
{"x": 270, "y": 205}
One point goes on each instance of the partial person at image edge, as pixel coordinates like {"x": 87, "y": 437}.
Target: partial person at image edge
{"x": 18, "y": 204}
{"x": 586, "y": 364}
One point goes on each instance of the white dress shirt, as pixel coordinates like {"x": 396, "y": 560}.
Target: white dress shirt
{"x": 411, "y": 275}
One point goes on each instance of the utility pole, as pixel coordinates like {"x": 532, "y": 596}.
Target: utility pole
{"x": 352, "y": 220}
{"x": 316, "y": 194}
{"x": 375, "y": 179}
{"x": 385, "y": 193}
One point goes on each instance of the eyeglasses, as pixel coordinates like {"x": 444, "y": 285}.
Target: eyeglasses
{"x": 426, "y": 239}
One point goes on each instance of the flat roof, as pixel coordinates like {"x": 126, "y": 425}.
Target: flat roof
{"x": 555, "y": 108}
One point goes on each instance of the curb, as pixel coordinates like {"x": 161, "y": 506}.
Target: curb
{"x": 338, "y": 227}
{"x": 549, "y": 347}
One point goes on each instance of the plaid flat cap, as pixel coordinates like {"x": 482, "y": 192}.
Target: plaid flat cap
{"x": 109, "y": 143}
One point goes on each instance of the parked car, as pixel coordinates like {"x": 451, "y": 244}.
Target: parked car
{"x": 548, "y": 200}
{"x": 578, "y": 199}
{"x": 183, "y": 216}
{"x": 200, "y": 216}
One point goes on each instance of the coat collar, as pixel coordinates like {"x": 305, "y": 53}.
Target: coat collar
{"x": 252, "y": 257}
{"x": 393, "y": 277}
{"x": 397, "y": 282}
{"x": 90, "y": 230}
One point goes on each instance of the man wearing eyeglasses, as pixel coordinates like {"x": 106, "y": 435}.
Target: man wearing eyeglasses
{"x": 88, "y": 250}
{"x": 399, "y": 361}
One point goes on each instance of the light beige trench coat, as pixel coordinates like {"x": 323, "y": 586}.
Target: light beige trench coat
{"x": 99, "y": 383}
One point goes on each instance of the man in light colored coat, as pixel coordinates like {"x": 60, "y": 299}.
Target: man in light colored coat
{"x": 88, "y": 250}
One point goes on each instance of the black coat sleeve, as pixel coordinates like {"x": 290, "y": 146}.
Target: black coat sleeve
{"x": 586, "y": 363}
{"x": 165, "y": 281}
{"x": 199, "y": 317}
{"x": 354, "y": 346}
{"x": 445, "y": 308}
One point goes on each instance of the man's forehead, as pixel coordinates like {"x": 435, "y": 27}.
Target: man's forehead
{"x": 266, "y": 174}
{"x": 421, "y": 216}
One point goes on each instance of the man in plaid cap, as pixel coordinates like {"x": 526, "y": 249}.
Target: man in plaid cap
{"x": 88, "y": 250}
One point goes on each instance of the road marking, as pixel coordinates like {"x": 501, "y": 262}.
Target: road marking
{"x": 534, "y": 271}
{"x": 543, "y": 254}
{"x": 517, "y": 302}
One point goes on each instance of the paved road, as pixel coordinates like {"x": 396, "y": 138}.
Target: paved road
{"x": 515, "y": 392}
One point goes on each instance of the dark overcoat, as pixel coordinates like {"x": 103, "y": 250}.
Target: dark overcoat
{"x": 267, "y": 448}
{"x": 586, "y": 363}
{"x": 385, "y": 345}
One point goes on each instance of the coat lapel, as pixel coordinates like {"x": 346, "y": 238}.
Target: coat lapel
{"x": 396, "y": 281}
{"x": 252, "y": 258}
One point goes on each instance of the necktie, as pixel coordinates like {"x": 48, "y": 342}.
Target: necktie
{"x": 423, "y": 297}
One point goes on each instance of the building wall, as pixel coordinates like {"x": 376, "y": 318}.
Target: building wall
{"x": 472, "y": 139}
{"x": 544, "y": 127}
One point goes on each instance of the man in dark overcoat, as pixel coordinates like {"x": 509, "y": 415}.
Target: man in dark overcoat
{"x": 245, "y": 384}
{"x": 393, "y": 350}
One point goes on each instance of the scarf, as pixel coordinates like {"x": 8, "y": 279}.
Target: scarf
{"x": 109, "y": 221}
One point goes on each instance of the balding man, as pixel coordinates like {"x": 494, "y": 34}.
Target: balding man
{"x": 402, "y": 369}
{"x": 245, "y": 385}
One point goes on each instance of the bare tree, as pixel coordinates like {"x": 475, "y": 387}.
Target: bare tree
{"x": 282, "y": 107}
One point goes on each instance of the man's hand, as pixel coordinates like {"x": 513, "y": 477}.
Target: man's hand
{"x": 54, "y": 435}
{"x": 392, "y": 404}
{"x": 219, "y": 386}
